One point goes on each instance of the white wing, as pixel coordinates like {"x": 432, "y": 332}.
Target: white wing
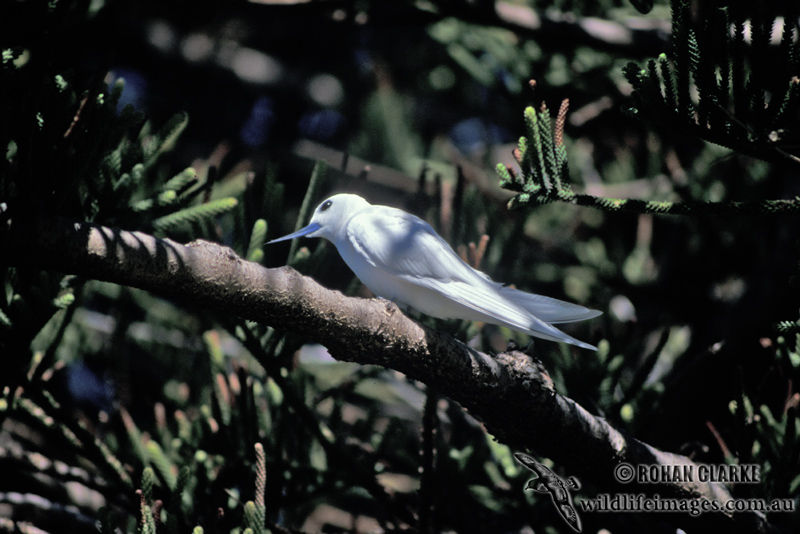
{"x": 548, "y": 309}
{"x": 403, "y": 249}
{"x": 401, "y": 244}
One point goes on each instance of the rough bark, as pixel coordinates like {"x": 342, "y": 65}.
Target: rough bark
{"x": 510, "y": 392}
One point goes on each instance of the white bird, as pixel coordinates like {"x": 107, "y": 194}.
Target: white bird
{"x": 400, "y": 257}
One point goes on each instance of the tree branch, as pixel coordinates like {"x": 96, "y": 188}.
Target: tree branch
{"x": 511, "y": 393}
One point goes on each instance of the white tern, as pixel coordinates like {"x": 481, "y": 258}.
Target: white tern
{"x": 399, "y": 257}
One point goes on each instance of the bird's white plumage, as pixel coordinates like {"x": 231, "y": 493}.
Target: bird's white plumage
{"x": 400, "y": 257}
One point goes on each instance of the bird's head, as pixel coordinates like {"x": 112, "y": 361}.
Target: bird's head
{"x": 330, "y": 217}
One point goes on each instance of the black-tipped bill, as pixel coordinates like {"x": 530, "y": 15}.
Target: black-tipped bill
{"x": 310, "y": 229}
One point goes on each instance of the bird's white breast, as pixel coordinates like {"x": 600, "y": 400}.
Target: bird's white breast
{"x": 400, "y": 258}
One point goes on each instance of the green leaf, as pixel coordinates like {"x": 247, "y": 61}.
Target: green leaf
{"x": 195, "y": 214}
{"x": 255, "y": 250}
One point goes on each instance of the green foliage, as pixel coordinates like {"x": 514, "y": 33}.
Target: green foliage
{"x": 543, "y": 160}
{"x": 769, "y": 434}
{"x": 483, "y": 51}
{"x": 74, "y": 152}
{"x": 545, "y": 179}
{"x": 195, "y": 215}
{"x": 255, "y": 251}
{"x": 309, "y": 202}
{"x": 717, "y": 84}
{"x": 149, "y": 519}
{"x": 731, "y": 109}
{"x": 193, "y": 391}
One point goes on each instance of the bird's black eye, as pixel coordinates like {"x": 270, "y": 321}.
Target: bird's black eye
{"x": 325, "y": 205}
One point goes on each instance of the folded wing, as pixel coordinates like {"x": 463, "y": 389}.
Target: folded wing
{"x": 548, "y": 309}
{"x": 405, "y": 247}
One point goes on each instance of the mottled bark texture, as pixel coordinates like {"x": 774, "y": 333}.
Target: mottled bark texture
{"x": 510, "y": 392}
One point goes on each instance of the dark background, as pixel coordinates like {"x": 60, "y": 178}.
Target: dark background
{"x": 689, "y": 359}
